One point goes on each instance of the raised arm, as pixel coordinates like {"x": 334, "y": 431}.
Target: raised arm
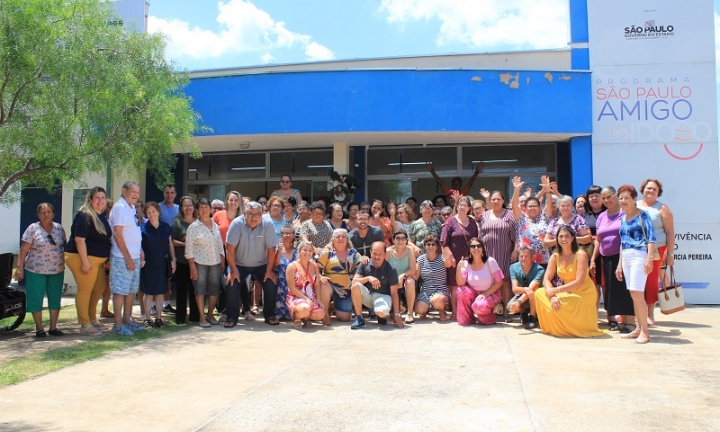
{"x": 431, "y": 170}
{"x": 515, "y": 201}
{"x": 466, "y": 189}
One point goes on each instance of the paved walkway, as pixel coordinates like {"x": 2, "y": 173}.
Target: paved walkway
{"x": 429, "y": 376}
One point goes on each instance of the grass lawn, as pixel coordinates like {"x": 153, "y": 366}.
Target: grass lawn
{"x": 40, "y": 364}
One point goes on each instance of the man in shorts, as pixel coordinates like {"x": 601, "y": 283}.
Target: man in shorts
{"x": 526, "y": 276}
{"x": 126, "y": 258}
{"x": 375, "y": 286}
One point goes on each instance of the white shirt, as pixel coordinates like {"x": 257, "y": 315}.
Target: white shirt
{"x": 124, "y": 215}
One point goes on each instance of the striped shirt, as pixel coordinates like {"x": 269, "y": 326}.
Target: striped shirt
{"x": 433, "y": 275}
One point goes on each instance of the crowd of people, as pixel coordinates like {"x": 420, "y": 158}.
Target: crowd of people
{"x": 542, "y": 256}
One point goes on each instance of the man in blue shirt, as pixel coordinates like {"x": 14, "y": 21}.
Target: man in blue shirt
{"x": 526, "y": 276}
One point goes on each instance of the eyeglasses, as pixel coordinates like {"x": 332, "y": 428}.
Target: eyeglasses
{"x": 217, "y": 208}
{"x": 401, "y": 238}
{"x": 253, "y": 215}
{"x": 436, "y": 214}
{"x": 447, "y": 214}
{"x": 189, "y": 206}
{"x": 430, "y": 244}
{"x": 475, "y": 246}
{"x": 51, "y": 240}
{"x": 341, "y": 237}
{"x": 288, "y": 233}
{"x": 532, "y": 206}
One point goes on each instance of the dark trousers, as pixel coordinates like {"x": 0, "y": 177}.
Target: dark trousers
{"x": 185, "y": 291}
{"x": 232, "y": 293}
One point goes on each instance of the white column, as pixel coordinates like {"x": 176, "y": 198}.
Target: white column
{"x": 341, "y": 158}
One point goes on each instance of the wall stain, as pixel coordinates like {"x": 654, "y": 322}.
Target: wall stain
{"x": 476, "y": 78}
{"x": 549, "y": 77}
{"x": 527, "y": 80}
{"x": 511, "y": 80}
{"x": 566, "y": 78}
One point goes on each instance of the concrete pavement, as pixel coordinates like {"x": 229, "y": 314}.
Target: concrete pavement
{"x": 428, "y": 376}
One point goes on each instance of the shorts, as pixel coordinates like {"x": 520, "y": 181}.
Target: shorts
{"x": 633, "y": 266}
{"x": 525, "y": 305}
{"x": 122, "y": 280}
{"x": 342, "y": 304}
{"x": 425, "y": 298}
{"x": 381, "y": 303}
{"x": 209, "y": 280}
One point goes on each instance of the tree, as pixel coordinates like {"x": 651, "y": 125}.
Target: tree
{"x": 79, "y": 94}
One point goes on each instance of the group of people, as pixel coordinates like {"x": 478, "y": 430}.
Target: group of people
{"x": 546, "y": 257}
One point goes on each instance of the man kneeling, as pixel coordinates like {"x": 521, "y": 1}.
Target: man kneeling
{"x": 375, "y": 285}
{"x": 526, "y": 277}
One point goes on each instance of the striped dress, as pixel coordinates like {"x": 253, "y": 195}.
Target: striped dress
{"x": 499, "y": 236}
{"x": 433, "y": 275}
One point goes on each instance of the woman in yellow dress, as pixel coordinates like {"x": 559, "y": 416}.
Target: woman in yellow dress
{"x": 568, "y": 310}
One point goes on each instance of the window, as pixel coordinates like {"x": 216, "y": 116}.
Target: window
{"x": 411, "y": 160}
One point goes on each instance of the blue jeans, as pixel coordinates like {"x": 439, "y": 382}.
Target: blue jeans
{"x": 232, "y": 293}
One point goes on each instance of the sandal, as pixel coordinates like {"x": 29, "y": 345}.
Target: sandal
{"x": 56, "y": 332}
{"x": 298, "y": 324}
{"x": 107, "y": 314}
{"x": 100, "y": 326}
{"x": 254, "y": 310}
{"x": 89, "y": 330}
{"x": 613, "y": 326}
{"x": 212, "y": 320}
{"x": 229, "y": 324}
{"x": 272, "y": 321}
{"x": 249, "y": 316}
{"x": 205, "y": 324}
{"x": 159, "y": 323}
{"x": 409, "y": 319}
{"x": 40, "y": 334}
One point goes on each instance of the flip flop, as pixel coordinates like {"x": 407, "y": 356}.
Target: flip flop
{"x": 272, "y": 321}
{"x": 229, "y": 324}
{"x": 107, "y": 314}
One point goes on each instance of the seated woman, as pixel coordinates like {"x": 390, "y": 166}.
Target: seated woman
{"x": 431, "y": 268}
{"x": 568, "y": 310}
{"x": 402, "y": 257}
{"x": 479, "y": 279}
{"x": 301, "y": 276}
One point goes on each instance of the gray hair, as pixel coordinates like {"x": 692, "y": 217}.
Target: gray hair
{"x": 565, "y": 197}
{"x": 217, "y": 202}
{"x": 334, "y": 234}
{"x": 610, "y": 189}
{"x": 426, "y": 203}
{"x": 252, "y": 205}
{"x": 526, "y": 248}
{"x": 130, "y": 183}
{"x": 305, "y": 243}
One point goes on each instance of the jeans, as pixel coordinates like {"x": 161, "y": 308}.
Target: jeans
{"x": 232, "y": 292}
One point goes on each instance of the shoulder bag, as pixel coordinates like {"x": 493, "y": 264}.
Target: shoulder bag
{"x": 671, "y": 297}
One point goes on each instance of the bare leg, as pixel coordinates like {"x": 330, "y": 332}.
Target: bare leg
{"x": 438, "y": 302}
{"x": 127, "y": 311}
{"x": 54, "y": 315}
{"x": 147, "y": 301}
{"x": 37, "y": 317}
{"x": 356, "y": 295}
{"x": 410, "y": 299}
{"x": 212, "y": 301}
{"x": 158, "y": 306}
{"x": 641, "y": 332}
{"x": 324, "y": 294}
{"x": 421, "y": 308}
{"x": 141, "y": 300}
{"x": 200, "y": 300}
{"x": 118, "y": 302}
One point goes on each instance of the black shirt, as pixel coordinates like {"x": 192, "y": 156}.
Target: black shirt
{"x": 386, "y": 274}
{"x": 97, "y": 244}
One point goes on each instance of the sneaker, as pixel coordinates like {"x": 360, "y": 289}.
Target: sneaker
{"x": 122, "y": 331}
{"x": 530, "y": 323}
{"x": 524, "y": 317}
{"x": 358, "y": 323}
{"x": 382, "y": 321}
{"x": 132, "y": 325}
{"x": 168, "y": 309}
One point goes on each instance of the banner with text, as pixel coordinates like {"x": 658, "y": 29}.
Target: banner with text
{"x": 655, "y": 116}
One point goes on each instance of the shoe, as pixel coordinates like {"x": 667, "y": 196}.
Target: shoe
{"x": 358, "y": 323}
{"x": 132, "y": 325}
{"x": 530, "y": 323}
{"x": 168, "y": 309}
{"x": 524, "y": 317}
{"x": 122, "y": 331}
{"x": 205, "y": 325}
{"x": 382, "y": 321}
{"x": 249, "y": 316}
{"x": 159, "y": 323}
{"x": 40, "y": 334}
{"x": 56, "y": 332}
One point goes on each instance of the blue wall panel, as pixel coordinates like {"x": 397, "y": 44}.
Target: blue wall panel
{"x": 578, "y": 21}
{"x": 581, "y": 164}
{"x": 395, "y": 101}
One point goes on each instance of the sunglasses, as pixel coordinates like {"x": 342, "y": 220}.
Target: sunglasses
{"x": 447, "y": 214}
{"x": 51, "y": 240}
{"x": 400, "y": 238}
{"x": 475, "y": 246}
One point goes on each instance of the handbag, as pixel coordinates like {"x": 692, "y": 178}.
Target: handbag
{"x": 656, "y": 253}
{"x": 671, "y": 297}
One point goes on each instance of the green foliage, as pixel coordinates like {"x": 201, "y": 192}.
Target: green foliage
{"x": 78, "y": 93}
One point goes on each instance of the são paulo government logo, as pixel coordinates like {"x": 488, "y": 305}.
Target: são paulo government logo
{"x": 649, "y": 30}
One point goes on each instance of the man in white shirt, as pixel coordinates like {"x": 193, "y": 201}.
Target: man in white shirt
{"x": 126, "y": 258}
